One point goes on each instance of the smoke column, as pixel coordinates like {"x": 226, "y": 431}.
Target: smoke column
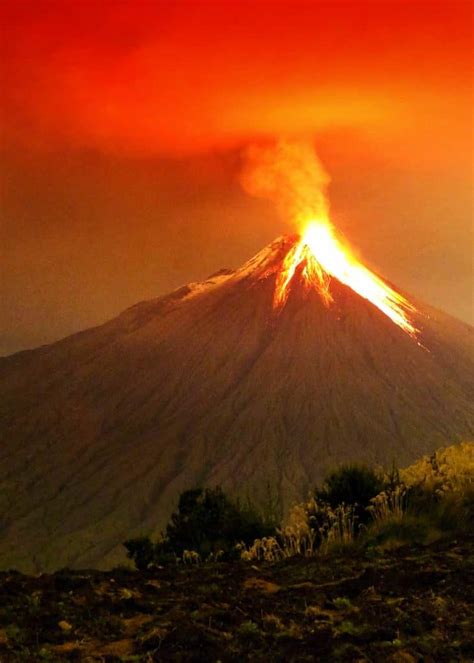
{"x": 290, "y": 174}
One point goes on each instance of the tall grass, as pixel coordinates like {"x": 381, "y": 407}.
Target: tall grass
{"x": 312, "y": 526}
{"x": 389, "y": 504}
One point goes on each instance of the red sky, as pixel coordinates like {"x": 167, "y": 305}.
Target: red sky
{"x": 123, "y": 122}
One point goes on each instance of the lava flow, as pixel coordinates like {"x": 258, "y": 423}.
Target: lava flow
{"x": 290, "y": 174}
{"x": 321, "y": 256}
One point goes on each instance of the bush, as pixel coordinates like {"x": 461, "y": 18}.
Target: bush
{"x": 450, "y": 469}
{"x": 440, "y": 487}
{"x": 207, "y": 521}
{"x": 409, "y": 529}
{"x": 141, "y": 550}
{"x": 432, "y": 498}
{"x": 354, "y": 485}
{"x": 447, "y": 511}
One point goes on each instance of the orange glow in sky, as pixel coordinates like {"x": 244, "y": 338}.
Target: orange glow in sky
{"x": 124, "y": 122}
{"x": 186, "y": 76}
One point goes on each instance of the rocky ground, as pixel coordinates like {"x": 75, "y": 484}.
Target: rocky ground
{"x": 409, "y": 604}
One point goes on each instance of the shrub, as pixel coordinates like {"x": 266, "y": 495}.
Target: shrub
{"x": 141, "y": 550}
{"x": 448, "y": 511}
{"x": 433, "y": 496}
{"x": 354, "y": 485}
{"x": 409, "y": 529}
{"x": 207, "y": 521}
{"x": 446, "y": 470}
{"x": 206, "y": 525}
{"x": 440, "y": 487}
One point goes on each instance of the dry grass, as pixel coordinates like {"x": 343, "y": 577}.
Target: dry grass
{"x": 312, "y": 527}
{"x": 389, "y": 504}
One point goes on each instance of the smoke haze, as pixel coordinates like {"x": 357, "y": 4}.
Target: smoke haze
{"x": 290, "y": 174}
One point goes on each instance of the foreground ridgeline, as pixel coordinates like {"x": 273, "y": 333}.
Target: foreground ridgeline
{"x": 373, "y": 566}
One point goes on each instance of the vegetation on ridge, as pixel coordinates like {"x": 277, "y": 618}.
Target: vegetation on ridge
{"x": 397, "y": 588}
{"x": 355, "y": 505}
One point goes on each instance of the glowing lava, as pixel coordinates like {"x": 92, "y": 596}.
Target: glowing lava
{"x": 290, "y": 174}
{"x": 320, "y": 255}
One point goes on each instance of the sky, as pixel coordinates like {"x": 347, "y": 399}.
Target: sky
{"x": 124, "y": 125}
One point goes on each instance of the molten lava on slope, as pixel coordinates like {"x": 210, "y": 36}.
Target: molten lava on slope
{"x": 290, "y": 174}
{"x": 322, "y": 256}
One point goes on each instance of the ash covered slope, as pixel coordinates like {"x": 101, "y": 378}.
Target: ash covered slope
{"x": 101, "y": 431}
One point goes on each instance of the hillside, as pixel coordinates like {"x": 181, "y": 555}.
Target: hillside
{"x": 101, "y": 431}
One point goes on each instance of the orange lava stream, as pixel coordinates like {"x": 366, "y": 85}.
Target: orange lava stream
{"x": 322, "y": 256}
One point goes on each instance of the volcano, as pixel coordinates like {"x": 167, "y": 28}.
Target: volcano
{"x": 209, "y": 385}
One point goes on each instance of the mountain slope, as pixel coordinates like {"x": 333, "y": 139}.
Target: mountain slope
{"x": 102, "y": 430}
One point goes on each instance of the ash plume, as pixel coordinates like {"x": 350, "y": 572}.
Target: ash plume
{"x": 290, "y": 174}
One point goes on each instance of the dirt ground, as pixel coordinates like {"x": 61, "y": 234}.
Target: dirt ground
{"x": 413, "y": 603}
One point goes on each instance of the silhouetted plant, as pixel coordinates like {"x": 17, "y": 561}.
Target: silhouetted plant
{"x": 141, "y": 550}
{"x": 354, "y": 485}
{"x": 207, "y": 521}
